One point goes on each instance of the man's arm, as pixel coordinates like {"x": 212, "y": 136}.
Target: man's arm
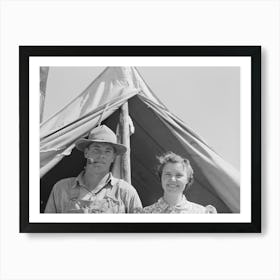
{"x": 133, "y": 201}
{"x": 51, "y": 206}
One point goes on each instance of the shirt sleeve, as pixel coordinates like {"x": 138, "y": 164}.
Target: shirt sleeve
{"x": 51, "y": 206}
{"x": 134, "y": 201}
{"x": 131, "y": 198}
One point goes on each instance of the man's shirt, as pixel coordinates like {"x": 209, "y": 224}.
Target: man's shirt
{"x": 71, "y": 195}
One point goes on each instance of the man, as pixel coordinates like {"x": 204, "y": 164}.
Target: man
{"x": 95, "y": 190}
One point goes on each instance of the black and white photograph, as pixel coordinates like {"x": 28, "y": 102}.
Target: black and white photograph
{"x": 152, "y": 130}
{"x": 160, "y": 137}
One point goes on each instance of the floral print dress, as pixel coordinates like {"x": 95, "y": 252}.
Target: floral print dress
{"x": 184, "y": 207}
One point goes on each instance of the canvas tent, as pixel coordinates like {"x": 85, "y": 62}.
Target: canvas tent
{"x": 156, "y": 130}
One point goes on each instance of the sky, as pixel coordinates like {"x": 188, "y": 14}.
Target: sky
{"x": 207, "y": 99}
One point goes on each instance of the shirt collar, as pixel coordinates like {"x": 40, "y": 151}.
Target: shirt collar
{"x": 182, "y": 204}
{"x": 79, "y": 180}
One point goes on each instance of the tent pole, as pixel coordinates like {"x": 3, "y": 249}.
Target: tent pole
{"x": 44, "y": 71}
{"x": 125, "y": 136}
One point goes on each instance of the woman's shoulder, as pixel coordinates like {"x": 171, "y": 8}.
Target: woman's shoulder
{"x": 210, "y": 209}
{"x": 198, "y": 208}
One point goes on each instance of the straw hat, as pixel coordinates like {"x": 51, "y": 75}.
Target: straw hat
{"x": 101, "y": 134}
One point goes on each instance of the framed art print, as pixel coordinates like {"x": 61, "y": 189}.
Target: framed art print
{"x": 140, "y": 138}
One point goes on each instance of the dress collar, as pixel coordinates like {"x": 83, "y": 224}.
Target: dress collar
{"x": 183, "y": 204}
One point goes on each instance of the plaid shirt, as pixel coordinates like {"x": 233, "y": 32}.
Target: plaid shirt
{"x": 70, "y": 195}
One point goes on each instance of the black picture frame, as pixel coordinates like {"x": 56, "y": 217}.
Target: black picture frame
{"x": 254, "y": 52}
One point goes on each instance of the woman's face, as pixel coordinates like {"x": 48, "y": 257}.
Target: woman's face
{"x": 174, "y": 178}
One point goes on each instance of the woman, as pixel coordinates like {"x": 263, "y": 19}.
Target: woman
{"x": 176, "y": 175}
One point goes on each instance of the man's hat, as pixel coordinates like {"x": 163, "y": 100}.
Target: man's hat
{"x": 101, "y": 134}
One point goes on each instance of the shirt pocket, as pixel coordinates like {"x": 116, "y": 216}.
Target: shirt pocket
{"x": 74, "y": 206}
{"x": 113, "y": 205}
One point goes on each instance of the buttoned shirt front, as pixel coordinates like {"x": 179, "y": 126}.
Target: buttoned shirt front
{"x": 184, "y": 207}
{"x": 71, "y": 195}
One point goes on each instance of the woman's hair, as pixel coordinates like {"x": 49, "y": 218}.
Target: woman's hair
{"x": 171, "y": 157}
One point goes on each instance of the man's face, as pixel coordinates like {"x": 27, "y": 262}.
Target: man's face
{"x": 102, "y": 156}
